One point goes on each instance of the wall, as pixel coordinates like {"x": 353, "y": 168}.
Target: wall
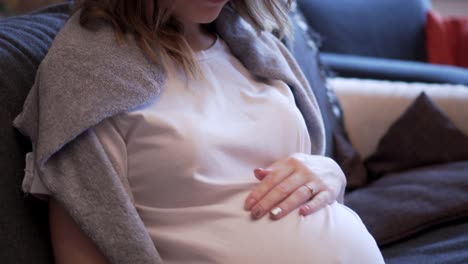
{"x": 451, "y": 7}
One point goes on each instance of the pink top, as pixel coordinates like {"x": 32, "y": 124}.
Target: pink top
{"x": 189, "y": 160}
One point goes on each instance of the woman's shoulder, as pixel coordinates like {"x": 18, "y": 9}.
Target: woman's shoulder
{"x": 86, "y": 77}
{"x": 76, "y": 45}
{"x": 84, "y": 64}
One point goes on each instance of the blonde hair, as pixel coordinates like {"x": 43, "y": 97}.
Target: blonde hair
{"x": 163, "y": 32}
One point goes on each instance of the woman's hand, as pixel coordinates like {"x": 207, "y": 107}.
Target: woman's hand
{"x": 308, "y": 181}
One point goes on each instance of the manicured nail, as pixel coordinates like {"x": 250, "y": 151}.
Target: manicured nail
{"x": 258, "y": 170}
{"x": 249, "y": 203}
{"x": 303, "y": 211}
{"x": 257, "y": 213}
{"x": 276, "y": 212}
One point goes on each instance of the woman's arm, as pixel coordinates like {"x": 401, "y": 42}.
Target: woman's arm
{"x": 69, "y": 242}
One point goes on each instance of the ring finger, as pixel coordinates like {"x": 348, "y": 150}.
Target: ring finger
{"x": 302, "y": 194}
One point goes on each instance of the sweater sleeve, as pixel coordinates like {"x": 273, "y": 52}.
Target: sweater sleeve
{"x": 82, "y": 178}
{"x": 114, "y": 146}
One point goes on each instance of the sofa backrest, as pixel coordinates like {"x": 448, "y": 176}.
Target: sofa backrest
{"x": 391, "y": 29}
{"x": 305, "y": 49}
{"x": 24, "y": 41}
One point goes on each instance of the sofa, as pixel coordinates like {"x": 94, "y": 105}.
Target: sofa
{"x": 349, "y": 108}
{"x": 382, "y": 39}
{"x": 406, "y": 180}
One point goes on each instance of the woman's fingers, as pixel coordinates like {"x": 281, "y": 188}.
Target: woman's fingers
{"x": 319, "y": 201}
{"x": 260, "y": 173}
{"x": 301, "y": 195}
{"x": 268, "y": 182}
{"x": 270, "y": 177}
{"x": 282, "y": 186}
{"x": 286, "y": 188}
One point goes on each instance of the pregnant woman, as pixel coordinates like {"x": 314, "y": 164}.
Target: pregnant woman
{"x": 177, "y": 131}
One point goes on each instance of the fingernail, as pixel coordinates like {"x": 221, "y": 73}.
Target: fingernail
{"x": 276, "y": 212}
{"x": 258, "y": 170}
{"x": 257, "y": 213}
{"x": 249, "y": 203}
{"x": 304, "y": 210}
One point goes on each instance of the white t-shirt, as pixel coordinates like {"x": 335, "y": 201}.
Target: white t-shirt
{"x": 189, "y": 160}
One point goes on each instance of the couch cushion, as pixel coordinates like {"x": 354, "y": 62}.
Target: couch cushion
{"x": 24, "y": 41}
{"x": 384, "y": 28}
{"x": 445, "y": 244}
{"x": 403, "y": 204}
{"x": 422, "y": 136}
{"x": 305, "y": 50}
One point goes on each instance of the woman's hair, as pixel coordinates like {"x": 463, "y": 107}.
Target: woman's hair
{"x": 163, "y": 32}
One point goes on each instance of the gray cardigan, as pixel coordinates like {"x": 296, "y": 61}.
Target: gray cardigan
{"x": 87, "y": 77}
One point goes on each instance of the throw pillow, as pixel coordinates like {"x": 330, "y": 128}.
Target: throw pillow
{"x": 447, "y": 39}
{"x": 305, "y": 49}
{"x": 350, "y": 162}
{"x": 422, "y": 136}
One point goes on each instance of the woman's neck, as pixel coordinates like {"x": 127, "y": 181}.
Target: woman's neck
{"x": 197, "y": 37}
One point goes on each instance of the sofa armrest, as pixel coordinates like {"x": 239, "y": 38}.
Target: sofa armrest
{"x": 389, "y": 69}
{"x": 371, "y": 106}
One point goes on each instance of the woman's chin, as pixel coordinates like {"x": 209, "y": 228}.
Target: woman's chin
{"x": 206, "y": 19}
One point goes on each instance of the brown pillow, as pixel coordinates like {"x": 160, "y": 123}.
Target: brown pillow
{"x": 422, "y": 136}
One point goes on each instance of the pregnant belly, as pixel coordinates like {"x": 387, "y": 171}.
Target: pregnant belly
{"x": 225, "y": 233}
